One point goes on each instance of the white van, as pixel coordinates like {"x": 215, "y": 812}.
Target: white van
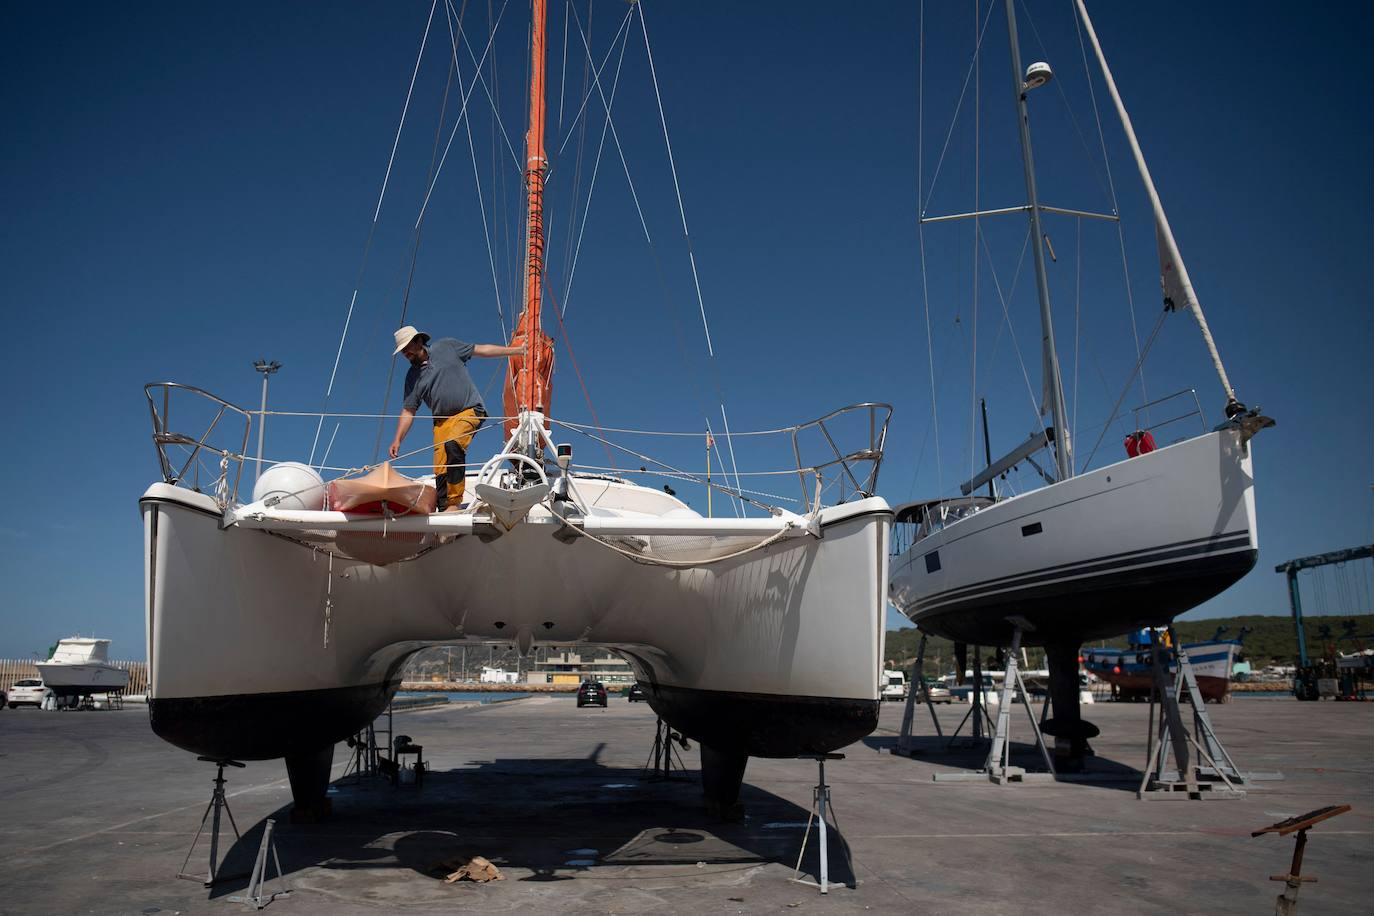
{"x": 893, "y": 686}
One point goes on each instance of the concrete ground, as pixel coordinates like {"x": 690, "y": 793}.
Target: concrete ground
{"x": 96, "y": 816}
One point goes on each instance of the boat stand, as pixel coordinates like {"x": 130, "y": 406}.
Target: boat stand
{"x": 820, "y": 805}
{"x": 915, "y": 692}
{"x": 1215, "y": 774}
{"x": 997, "y": 767}
{"x": 663, "y": 756}
{"x": 218, "y": 803}
{"x": 977, "y": 712}
{"x": 364, "y": 762}
{"x": 256, "y": 884}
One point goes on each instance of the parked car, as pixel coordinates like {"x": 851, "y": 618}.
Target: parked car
{"x": 29, "y": 691}
{"x": 636, "y": 694}
{"x": 938, "y": 693}
{"x": 591, "y": 693}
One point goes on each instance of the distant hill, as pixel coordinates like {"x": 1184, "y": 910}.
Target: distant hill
{"x": 1271, "y": 640}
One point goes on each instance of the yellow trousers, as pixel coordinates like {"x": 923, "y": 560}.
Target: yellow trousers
{"x": 452, "y": 435}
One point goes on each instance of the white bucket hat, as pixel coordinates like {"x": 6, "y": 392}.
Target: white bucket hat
{"x": 405, "y": 335}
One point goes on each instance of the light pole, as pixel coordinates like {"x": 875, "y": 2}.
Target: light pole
{"x": 266, "y": 369}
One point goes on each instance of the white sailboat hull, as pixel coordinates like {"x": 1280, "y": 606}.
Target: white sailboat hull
{"x": 257, "y": 650}
{"x": 1129, "y": 545}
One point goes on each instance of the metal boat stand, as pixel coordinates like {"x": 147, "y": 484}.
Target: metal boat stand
{"x": 977, "y": 712}
{"x": 1215, "y": 774}
{"x": 663, "y": 757}
{"x": 363, "y": 763}
{"x": 256, "y": 884}
{"x": 218, "y": 803}
{"x": 820, "y": 805}
{"x": 997, "y": 767}
{"x": 916, "y": 688}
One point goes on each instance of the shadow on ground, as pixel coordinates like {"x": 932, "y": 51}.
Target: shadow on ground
{"x": 963, "y": 753}
{"x": 538, "y": 820}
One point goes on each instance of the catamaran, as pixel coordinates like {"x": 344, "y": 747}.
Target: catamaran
{"x": 278, "y": 626}
{"x": 1090, "y": 554}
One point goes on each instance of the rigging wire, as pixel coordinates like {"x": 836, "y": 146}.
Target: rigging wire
{"x": 563, "y": 67}
{"x": 920, "y": 229}
{"x": 1077, "y": 312}
{"x": 505, "y": 135}
{"x": 677, "y": 188}
{"x": 461, "y": 115}
{"x": 1111, "y": 185}
{"x": 579, "y": 127}
{"x": 1159, "y": 323}
{"x": 371, "y": 233}
{"x": 567, "y": 345}
{"x": 957, "y": 108}
{"x": 415, "y": 247}
{"x": 477, "y": 181}
{"x": 591, "y": 70}
{"x": 596, "y": 169}
{"x": 691, "y": 254}
{"x": 977, "y": 229}
{"x": 1006, "y": 312}
{"x": 634, "y": 195}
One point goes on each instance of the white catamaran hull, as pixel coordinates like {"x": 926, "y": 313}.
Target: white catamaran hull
{"x": 258, "y": 650}
{"x": 1129, "y": 545}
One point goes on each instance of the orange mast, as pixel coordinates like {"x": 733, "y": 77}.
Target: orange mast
{"x": 529, "y": 377}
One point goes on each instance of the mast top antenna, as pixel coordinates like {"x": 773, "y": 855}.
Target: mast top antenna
{"x": 1037, "y": 75}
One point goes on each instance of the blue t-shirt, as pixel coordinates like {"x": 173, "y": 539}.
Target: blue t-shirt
{"x": 442, "y": 382}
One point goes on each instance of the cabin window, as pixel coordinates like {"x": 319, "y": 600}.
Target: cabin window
{"x": 933, "y": 561}
{"x": 1032, "y": 528}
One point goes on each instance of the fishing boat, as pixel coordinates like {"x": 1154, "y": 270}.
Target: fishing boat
{"x": 1128, "y": 670}
{"x": 80, "y": 666}
{"x": 1087, "y": 555}
{"x": 278, "y": 625}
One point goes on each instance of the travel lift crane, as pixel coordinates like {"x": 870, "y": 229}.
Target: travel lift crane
{"x": 1309, "y": 673}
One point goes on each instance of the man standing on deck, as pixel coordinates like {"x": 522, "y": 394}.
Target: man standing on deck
{"x": 439, "y": 377}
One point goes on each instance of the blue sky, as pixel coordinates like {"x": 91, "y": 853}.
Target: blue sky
{"x": 188, "y": 189}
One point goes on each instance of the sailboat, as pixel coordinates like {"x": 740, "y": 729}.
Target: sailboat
{"x": 1088, "y": 555}
{"x": 277, "y": 626}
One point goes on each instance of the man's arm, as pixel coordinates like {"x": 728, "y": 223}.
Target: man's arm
{"x": 494, "y": 350}
{"x": 402, "y": 427}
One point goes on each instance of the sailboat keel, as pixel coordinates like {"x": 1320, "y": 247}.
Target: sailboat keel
{"x": 1071, "y": 732}
{"x": 722, "y": 774}
{"x": 309, "y": 777}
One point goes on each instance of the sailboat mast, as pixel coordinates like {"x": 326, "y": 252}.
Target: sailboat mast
{"x": 529, "y": 376}
{"x": 1053, "y": 383}
{"x": 536, "y": 168}
{"x": 1171, "y": 261}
